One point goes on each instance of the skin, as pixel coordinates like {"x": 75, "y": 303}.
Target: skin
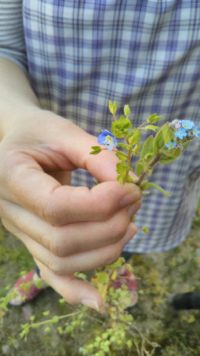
{"x": 66, "y": 229}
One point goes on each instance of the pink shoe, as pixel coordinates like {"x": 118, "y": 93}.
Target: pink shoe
{"x": 129, "y": 280}
{"x": 21, "y": 293}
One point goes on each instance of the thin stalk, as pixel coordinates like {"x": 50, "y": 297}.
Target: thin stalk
{"x": 152, "y": 164}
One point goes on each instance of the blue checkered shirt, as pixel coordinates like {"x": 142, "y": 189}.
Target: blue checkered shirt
{"x": 145, "y": 53}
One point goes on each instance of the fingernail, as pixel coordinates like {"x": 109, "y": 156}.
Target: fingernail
{"x": 90, "y": 303}
{"x": 133, "y": 208}
{"x": 130, "y": 198}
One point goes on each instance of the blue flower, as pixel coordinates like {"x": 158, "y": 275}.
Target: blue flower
{"x": 171, "y": 145}
{"x": 196, "y": 132}
{"x": 106, "y": 138}
{"x": 187, "y": 124}
{"x": 181, "y": 133}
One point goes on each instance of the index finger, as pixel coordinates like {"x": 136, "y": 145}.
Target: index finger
{"x": 40, "y": 193}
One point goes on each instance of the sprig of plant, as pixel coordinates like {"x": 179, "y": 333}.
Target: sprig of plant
{"x": 168, "y": 144}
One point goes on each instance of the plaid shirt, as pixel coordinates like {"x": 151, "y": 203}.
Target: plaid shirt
{"x": 145, "y": 53}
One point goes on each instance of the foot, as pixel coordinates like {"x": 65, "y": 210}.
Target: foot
{"x": 22, "y": 296}
{"x": 124, "y": 276}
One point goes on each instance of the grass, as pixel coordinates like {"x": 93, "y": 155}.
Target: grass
{"x": 160, "y": 274}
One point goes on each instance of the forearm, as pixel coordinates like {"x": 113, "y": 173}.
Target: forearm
{"x": 16, "y": 95}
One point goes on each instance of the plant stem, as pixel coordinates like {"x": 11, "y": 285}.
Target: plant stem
{"x": 152, "y": 164}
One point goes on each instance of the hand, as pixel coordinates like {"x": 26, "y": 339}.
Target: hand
{"x": 66, "y": 229}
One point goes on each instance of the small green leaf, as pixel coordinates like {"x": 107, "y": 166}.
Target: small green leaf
{"x": 129, "y": 343}
{"x": 141, "y": 167}
{"x": 103, "y": 277}
{"x": 129, "y": 179}
{"x": 145, "y": 229}
{"x": 166, "y": 159}
{"x": 114, "y": 107}
{"x": 147, "y": 147}
{"x": 96, "y": 150}
{"x": 158, "y": 142}
{"x": 149, "y": 185}
{"x": 126, "y": 110}
{"x": 168, "y": 133}
{"x": 152, "y": 127}
{"x": 46, "y": 313}
{"x": 174, "y": 152}
{"x": 32, "y": 317}
{"x": 121, "y": 178}
{"x": 122, "y": 156}
{"x": 116, "y": 264}
{"x": 111, "y": 107}
{"x": 47, "y": 330}
{"x": 124, "y": 146}
{"x": 153, "y": 118}
{"x": 55, "y": 319}
{"x": 133, "y": 140}
{"x": 185, "y": 144}
{"x": 39, "y": 283}
{"x": 121, "y": 168}
{"x": 117, "y": 130}
{"x": 136, "y": 149}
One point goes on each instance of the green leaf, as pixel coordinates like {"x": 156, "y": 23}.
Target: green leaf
{"x": 126, "y": 110}
{"x": 152, "y": 127}
{"x": 125, "y": 146}
{"x": 121, "y": 168}
{"x": 148, "y": 185}
{"x": 166, "y": 159}
{"x": 174, "y": 152}
{"x": 129, "y": 343}
{"x": 117, "y": 130}
{"x": 153, "y": 118}
{"x": 124, "y": 122}
{"x": 145, "y": 229}
{"x": 158, "y": 142}
{"x": 32, "y": 317}
{"x": 116, "y": 264}
{"x": 133, "y": 140}
{"x": 121, "y": 178}
{"x": 185, "y": 144}
{"x": 39, "y": 283}
{"x": 168, "y": 133}
{"x": 147, "y": 147}
{"x": 47, "y": 330}
{"x": 122, "y": 156}
{"x": 96, "y": 150}
{"x": 103, "y": 278}
{"x": 131, "y": 133}
{"x": 114, "y": 107}
{"x": 46, "y": 313}
{"x": 111, "y": 106}
{"x": 129, "y": 179}
{"x": 55, "y": 319}
{"x": 141, "y": 167}
{"x": 136, "y": 149}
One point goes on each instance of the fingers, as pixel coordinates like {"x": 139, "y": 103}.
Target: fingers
{"x": 73, "y": 290}
{"x": 40, "y": 193}
{"x": 59, "y": 145}
{"x": 78, "y": 262}
{"x": 72, "y": 238}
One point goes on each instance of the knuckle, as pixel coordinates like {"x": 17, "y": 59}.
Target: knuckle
{"x": 118, "y": 228}
{"x": 55, "y": 266}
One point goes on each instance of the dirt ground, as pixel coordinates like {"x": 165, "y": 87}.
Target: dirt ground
{"x": 159, "y": 275}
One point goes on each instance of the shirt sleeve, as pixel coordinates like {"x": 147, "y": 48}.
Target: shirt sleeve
{"x": 12, "y": 42}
